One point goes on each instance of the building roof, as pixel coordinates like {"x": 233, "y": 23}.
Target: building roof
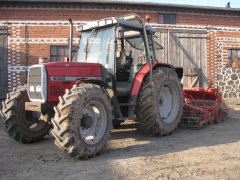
{"x": 109, "y": 2}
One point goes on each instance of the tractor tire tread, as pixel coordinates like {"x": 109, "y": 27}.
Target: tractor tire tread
{"x": 146, "y": 110}
{"x": 65, "y": 137}
{"x": 9, "y": 117}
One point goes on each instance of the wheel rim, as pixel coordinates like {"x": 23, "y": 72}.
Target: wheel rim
{"x": 168, "y": 102}
{"x": 93, "y": 122}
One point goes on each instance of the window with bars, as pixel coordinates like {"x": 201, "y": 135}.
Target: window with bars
{"x": 167, "y": 18}
{"x": 233, "y": 58}
{"x": 60, "y": 53}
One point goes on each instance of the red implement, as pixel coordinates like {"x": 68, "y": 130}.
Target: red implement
{"x": 202, "y": 107}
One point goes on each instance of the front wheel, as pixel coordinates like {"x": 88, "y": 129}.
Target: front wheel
{"x": 83, "y": 121}
{"x": 159, "y": 106}
{"x": 21, "y": 125}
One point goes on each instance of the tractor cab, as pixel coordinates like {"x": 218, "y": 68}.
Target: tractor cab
{"x": 119, "y": 45}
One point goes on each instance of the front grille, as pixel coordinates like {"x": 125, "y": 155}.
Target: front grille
{"x": 34, "y": 83}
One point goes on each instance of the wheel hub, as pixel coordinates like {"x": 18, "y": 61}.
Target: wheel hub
{"x": 161, "y": 101}
{"x": 86, "y": 121}
{"x": 165, "y": 102}
{"x": 93, "y": 122}
{"x": 168, "y": 102}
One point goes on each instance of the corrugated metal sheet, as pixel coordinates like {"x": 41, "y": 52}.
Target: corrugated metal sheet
{"x": 3, "y": 62}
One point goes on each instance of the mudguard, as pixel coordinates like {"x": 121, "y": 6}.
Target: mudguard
{"x": 142, "y": 74}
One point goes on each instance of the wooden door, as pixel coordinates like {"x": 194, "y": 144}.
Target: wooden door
{"x": 187, "y": 49}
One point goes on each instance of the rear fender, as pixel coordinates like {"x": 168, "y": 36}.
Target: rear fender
{"x": 140, "y": 76}
{"x": 136, "y": 86}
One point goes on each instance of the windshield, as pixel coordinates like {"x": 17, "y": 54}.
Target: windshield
{"x": 97, "y": 46}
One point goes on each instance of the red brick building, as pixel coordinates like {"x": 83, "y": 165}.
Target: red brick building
{"x": 203, "y": 40}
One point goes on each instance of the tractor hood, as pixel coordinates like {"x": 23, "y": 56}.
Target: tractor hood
{"x": 63, "y": 75}
{"x": 72, "y": 69}
{"x": 48, "y": 81}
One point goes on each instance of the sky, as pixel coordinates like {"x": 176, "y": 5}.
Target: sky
{"x": 214, "y": 3}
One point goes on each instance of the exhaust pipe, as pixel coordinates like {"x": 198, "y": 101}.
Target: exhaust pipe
{"x": 70, "y": 40}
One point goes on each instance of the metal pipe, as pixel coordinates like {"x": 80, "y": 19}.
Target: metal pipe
{"x": 147, "y": 52}
{"x": 70, "y": 40}
{"x": 153, "y": 46}
{"x": 26, "y": 48}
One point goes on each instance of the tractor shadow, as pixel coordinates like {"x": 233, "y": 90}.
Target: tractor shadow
{"x": 128, "y": 141}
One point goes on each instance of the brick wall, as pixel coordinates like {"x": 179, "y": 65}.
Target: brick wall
{"x": 30, "y": 40}
{"x": 208, "y": 20}
{"x": 91, "y": 15}
{"x": 219, "y": 42}
{"x": 77, "y": 15}
{"x": 227, "y": 78}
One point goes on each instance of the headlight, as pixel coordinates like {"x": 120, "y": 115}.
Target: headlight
{"x": 31, "y": 88}
{"x": 38, "y": 88}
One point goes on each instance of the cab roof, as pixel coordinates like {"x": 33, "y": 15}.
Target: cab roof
{"x": 121, "y": 21}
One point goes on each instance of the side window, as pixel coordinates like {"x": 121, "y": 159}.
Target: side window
{"x": 134, "y": 47}
{"x": 233, "y": 58}
{"x": 60, "y": 53}
{"x": 167, "y": 18}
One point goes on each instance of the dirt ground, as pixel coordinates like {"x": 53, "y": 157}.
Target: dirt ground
{"x": 209, "y": 153}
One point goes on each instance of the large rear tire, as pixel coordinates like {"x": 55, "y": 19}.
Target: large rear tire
{"x": 83, "y": 121}
{"x": 159, "y": 107}
{"x": 21, "y": 125}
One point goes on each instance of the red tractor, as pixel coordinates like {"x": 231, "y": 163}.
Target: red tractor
{"x": 116, "y": 77}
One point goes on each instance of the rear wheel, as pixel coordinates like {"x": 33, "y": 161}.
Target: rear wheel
{"x": 159, "y": 107}
{"x": 83, "y": 121}
{"x": 21, "y": 125}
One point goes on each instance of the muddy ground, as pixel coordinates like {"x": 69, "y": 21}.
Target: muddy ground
{"x": 209, "y": 153}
